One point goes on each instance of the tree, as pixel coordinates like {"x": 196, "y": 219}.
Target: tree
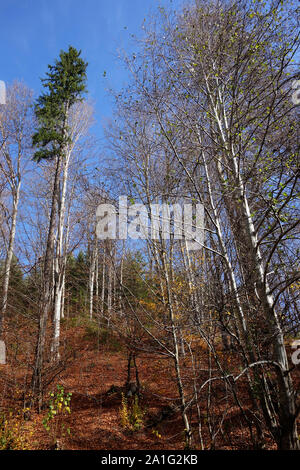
{"x": 211, "y": 95}
{"x": 16, "y": 127}
{"x": 80, "y": 118}
{"x": 64, "y": 85}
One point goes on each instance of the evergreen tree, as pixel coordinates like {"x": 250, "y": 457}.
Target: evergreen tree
{"x": 64, "y": 85}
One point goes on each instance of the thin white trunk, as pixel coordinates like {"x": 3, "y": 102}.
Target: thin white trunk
{"x": 97, "y": 283}
{"x": 91, "y": 279}
{"x": 176, "y": 356}
{"x": 59, "y": 260}
{"x": 252, "y": 264}
{"x": 10, "y": 249}
{"x": 103, "y": 280}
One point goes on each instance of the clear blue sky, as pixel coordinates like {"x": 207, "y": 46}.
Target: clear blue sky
{"x": 32, "y": 33}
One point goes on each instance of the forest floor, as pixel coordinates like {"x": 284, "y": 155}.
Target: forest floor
{"x": 95, "y": 377}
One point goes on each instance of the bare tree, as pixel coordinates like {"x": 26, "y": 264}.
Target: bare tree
{"x": 16, "y": 126}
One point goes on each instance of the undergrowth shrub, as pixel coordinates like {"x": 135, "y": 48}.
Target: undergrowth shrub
{"x": 59, "y": 406}
{"x": 131, "y": 414}
{"x": 15, "y": 433}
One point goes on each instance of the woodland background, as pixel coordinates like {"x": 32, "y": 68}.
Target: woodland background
{"x": 114, "y": 344}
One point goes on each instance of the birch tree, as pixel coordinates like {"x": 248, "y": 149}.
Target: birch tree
{"x": 16, "y": 127}
{"x": 214, "y": 85}
{"x": 79, "y": 121}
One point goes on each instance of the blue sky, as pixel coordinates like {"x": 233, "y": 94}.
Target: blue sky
{"x": 32, "y": 33}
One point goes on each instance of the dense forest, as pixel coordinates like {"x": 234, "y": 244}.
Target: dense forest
{"x": 135, "y": 342}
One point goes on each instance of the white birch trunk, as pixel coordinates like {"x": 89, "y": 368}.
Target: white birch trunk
{"x": 10, "y": 249}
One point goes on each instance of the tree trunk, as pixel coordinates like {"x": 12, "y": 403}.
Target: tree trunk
{"x": 237, "y": 207}
{"x": 8, "y": 260}
{"x": 46, "y": 298}
{"x": 176, "y": 356}
{"x": 92, "y": 278}
{"x": 60, "y": 259}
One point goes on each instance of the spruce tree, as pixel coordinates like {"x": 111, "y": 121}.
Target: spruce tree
{"x": 64, "y": 85}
